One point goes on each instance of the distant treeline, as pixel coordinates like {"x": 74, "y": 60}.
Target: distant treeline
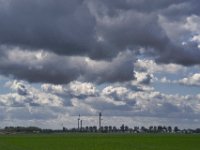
{"x": 104, "y": 129}
{"x": 19, "y": 129}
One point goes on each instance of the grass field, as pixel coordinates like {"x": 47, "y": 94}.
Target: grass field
{"x": 99, "y": 142}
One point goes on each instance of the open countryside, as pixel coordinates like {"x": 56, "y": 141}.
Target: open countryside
{"x": 99, "y": 74}
{"x": 99, "y": 141}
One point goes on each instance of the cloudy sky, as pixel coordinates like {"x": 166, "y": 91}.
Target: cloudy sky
{"x": 137, "y": 62}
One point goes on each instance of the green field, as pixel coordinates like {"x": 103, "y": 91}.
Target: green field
{"x": 100, "y": 142}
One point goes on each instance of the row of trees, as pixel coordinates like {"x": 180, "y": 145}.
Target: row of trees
{"x": 105, "y": 129}
{"x": 12, "y": 129}
{"x": 125, "y": 129}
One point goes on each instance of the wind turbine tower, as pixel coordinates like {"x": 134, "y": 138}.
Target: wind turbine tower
{"x": 81, "y": 124}
{"x": 100, "y": 119}
{"x": 78, "y": 121}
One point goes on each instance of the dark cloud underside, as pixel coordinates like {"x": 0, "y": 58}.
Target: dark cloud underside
{"x": 101, "y": 30}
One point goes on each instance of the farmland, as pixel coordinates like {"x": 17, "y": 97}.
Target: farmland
{"x": 100, "y": 142}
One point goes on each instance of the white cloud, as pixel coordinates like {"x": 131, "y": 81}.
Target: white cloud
{"x": 56, "y": 89}
{"x": 165, "y": 80}
{"x": 24, "y": 94}
{"x": 115, "y": 92}
{"x": 151, "y": 66}
{"x": 196, "y": 38}
{"x": 17, "y": 86}
{"x": 74, "y": 88}
{"x": 48, "y": 103}
{"x": 143, "y": 78}
{"x": 193, "y": 80}
{"x": 78, "y": 88}
{"x": 193, "y": 23}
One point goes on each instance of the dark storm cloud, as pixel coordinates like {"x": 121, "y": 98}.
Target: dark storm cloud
{"x": 57, "y": 69}
{"x": 187, "y": 55}
{"x": 131, "y": 24}
{"x": 100, "y": 30}
{"x": 65, "y": 27}
{"x": 133, "y": 29}
{"x": 142, "y": 5}
{"x": 71, "y": 28}
{"x": 182, "y": 9}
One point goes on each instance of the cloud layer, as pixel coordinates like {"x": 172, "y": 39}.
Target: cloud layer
{"x": 88, "y": 56}
{"x": 84, "y": 98}
{"x": 42, "y": 67}
{"x": 99, "y": 30}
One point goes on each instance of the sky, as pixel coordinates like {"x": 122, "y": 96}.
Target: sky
{"x": 137, "y": 62}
